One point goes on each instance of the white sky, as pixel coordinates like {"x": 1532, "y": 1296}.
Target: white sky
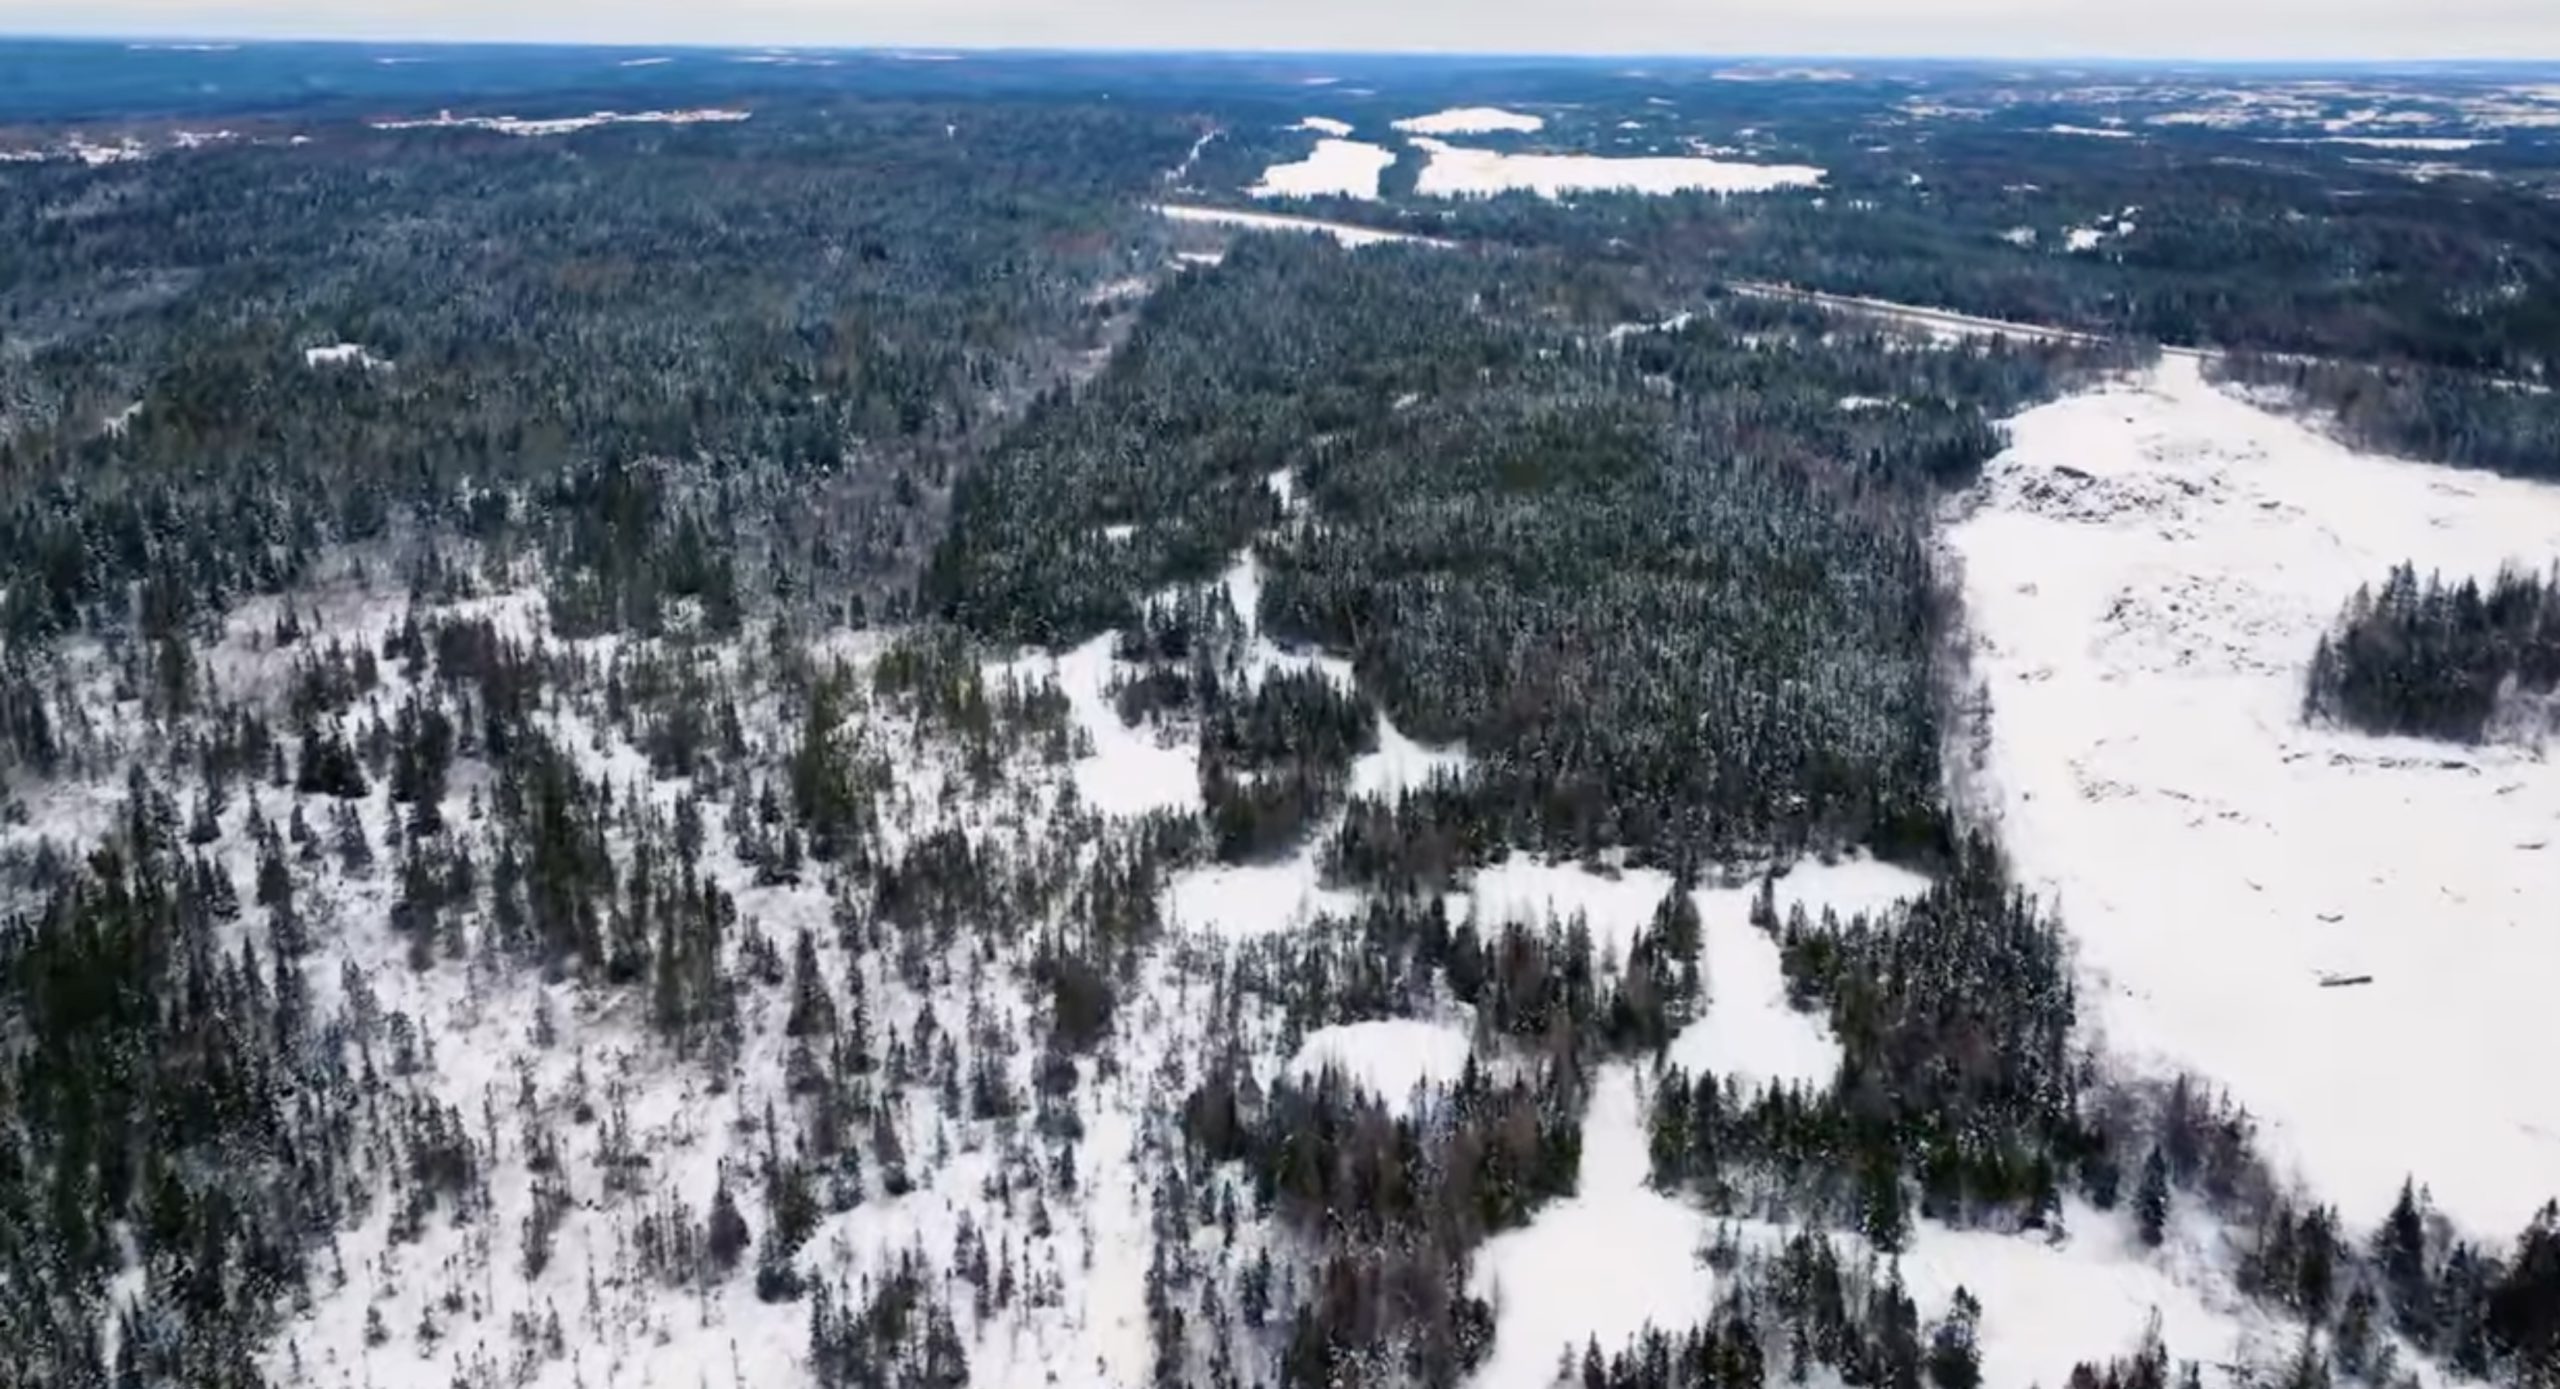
{"x": 2311, "y": 29}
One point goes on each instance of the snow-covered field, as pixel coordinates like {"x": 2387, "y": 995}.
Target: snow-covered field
{"x": 1456, "y": 171}
{"x": 1389, "y": 1058}
{"x": 1349, "y": 235}
{"x": 2146, "y": 571}
{"x": 1344, "y": 168}
{"x": 344, "y": 354}
{"x": 564, "y": 125}
{"x": 1472, "y": 120}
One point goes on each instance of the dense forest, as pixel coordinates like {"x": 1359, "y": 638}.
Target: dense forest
{"x": 2438, "y": 660}
{"x": 1596, "y": 559}
{"x": 675, "y": 362}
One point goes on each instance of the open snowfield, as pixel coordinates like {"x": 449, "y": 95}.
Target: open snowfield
{"x": 1456, "y": 171}
{"x": 1389, "y": 1058}
{"x": 564, "y": 125}
{"x": 1472, "y": 120}
{"x": 1349, "y": 235}
{"x": 1343, "y": 168}
{"x": 2147, "y": 571}
{"x": 343, "y": 354}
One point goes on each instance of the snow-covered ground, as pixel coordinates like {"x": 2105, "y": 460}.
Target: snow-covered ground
{"x": 1749, "y": 1032}
{"x": 1349, "y": 235}
{"x": 344, "y": 354}
{"x": 2146, "y": 572}
{"x": 1344, "y": 168}
{"x": 1620, "y": 1256}
{"x": 1389, "y": 1058}
{"x": 1472, "y": 120}
{"x": 1324, "y": 125}
{"x": 1457, "y": 171}
{"x": 563, "y": 125}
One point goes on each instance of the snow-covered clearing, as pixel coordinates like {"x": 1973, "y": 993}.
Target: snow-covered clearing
{"x": 564, "y": 125}
{"x": 2436, "y": 144}
{"x": 1749, "y": 1031}
{"x": 2091, "y": 131}
{"x": 1620, "y": 1256}
{"x": 1472, "y": 120}
{"x": 1354, "y": 237}
{"x": 2099, "y": 232}
{"x": 1616, "y": 1257}
{"x": 1459, "y": 172}
{"x": 1324, "y": 125}
{"x": 1344, "y": 168}
{"x": 2147, "y": 570}
{"x": 343, "y": 354}
{"x": 1388, "y": 1058}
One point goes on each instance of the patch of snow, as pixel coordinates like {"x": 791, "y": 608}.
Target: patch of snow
{"x": 1324, "y": 125}
{"x": 564, "y": 125}
{"x": 1612, "y": 1260}
{"x": 1354, "y": 237}
{"x": 1457, "y": 172}
{"x": 1858, "y": 404}
{"x": 1472, "y": 120}
{"x": 1249, "y": 901}
{"x": 1389, "y": 1059}
{"x": 2147, "y": 572}
{"x": 1400, "y": 764}
{"x": 1524, "y": 888}
{"x": 1749, "y": 1030}
{"x": 2440, "y": 144}
{"x": 2019, "y": 236}
{"x": 343, "y": 354}
{"x": 1619, "y": 1257}
{"x": 1344, "y": 168}
{"x": 2093, "y": 131}
{"x": 644, "y": 62}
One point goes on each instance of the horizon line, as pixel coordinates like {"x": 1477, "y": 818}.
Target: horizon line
{"x": 1455, "y": 55}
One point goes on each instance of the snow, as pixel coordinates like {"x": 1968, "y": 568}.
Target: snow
{"x": 564, "y": 125}
{"x": 2147, "y": 571}
{"x": 1749, "y": 1030}
{"x": 2092, "y": 131}
{"x": 1620, "y": 1256}
{"x": 1606, "y": 1263}
{"x": 644, "y": 62}
{"x": 1456, "y": 172}
{"x": 1349, "y": 235}
{"x": 2438, "y": 144}
{"x": 1324, "y": 125}
{"x": 1389, "y": 1059}
{"x": 343, "y": 354}
{"x": 1250, "y": 901}
{"x": 1131, "y": 770}
{"x": 1523, "y": 888}
{"x": 1401, "y": 764}
{"x": 1471, "y": 120}
{"x": 1344, "y": 168}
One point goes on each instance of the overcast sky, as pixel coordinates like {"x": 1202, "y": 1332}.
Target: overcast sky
{"x": 2383, "y": 29}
